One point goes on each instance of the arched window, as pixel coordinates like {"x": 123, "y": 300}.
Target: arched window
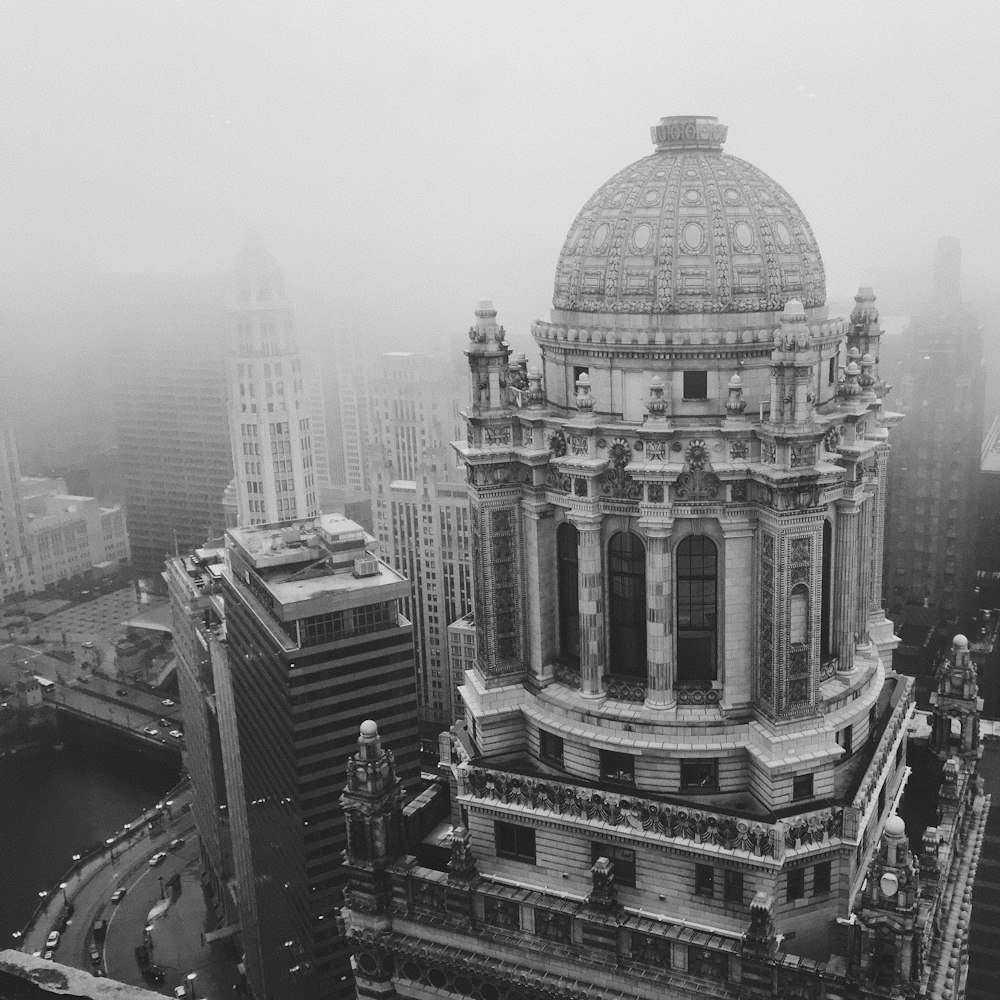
{"x": 627, "y": 605}
{"x": 824, "y": 612}
{"x": 567, "y": 572}
{"x": 697, "y": 607}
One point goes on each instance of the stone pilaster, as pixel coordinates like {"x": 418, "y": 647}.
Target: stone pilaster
{"x": 845, "y": 577}
{"x": 878, "y": 533}
{"x": 591, "y": 576}
{"x": 864, "y": 571}
{"x": 659, "y": 617}
{"x": 540, "y": 606}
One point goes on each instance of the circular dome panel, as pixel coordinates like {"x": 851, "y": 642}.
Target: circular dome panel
{"x": 758, "y": 250}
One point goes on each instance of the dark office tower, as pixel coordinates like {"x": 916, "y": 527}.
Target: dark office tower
{"x": 166, "y": 363}
{"x": 314, "y": 644}
{"x": 937, "y": 369}
{"x": 195, "y": 585}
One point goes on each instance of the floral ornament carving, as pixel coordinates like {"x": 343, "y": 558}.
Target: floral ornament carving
{"x": 578, "y": 442}
{"x": 615, "y": 481}
{"x": 831, "y": 439}
{"x": 497, "y": 435}
{"x": 802, "y": 454}
{"x": 656, "y": 451}
{"x": 557, "y": 444}
{"x": 697, "y": 481}
{"x": 557, "y": 481}
{"x": 767, "y": 452}
{"x": 739, "y": 449}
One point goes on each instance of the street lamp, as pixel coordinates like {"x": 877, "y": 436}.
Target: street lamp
{"x": 62, "y": 885}
{"x": 191, "y": 977}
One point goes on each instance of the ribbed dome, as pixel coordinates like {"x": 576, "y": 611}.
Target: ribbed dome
{"x": 689, "y": 229}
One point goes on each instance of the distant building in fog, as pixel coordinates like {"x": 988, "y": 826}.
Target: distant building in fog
{"x": 168, "y": 377}
{"x": 70, "y": 535}
{"x": 270, "y": 421}
{"x": 936, "y": 368}
{"x": 17, "y": 574}
{"x": 352, "y": 393}
{"x": 988, "y": 527}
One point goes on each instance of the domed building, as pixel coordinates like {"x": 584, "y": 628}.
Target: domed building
{"x": 683, "y": 736}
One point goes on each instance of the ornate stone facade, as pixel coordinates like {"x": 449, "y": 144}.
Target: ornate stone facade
{"x": 682, "y": 736}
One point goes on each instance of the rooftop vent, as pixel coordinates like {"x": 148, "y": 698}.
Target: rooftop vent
{"x": 366, "y": 567}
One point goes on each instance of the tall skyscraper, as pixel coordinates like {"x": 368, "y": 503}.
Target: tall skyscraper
{"x": 270, "y": 414}
{"x": 937, "y": 369}
{"x": 313, "y": 640}
{"x": 167, "y": 365}
{"x": 684, "y": 749}
{"x": 423, "y": 531}
{"x": 17, "y": 575}
{"x": 195, "y": 585}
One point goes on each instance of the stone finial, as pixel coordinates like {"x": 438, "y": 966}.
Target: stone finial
{"x": 536, "y": 396}
{"x": 867, "y": 379}
{"x": 735, "y": 403}
{"x": 851, "y": 386}
{"x": 794, "y": 332}
{"x": 486, "y": 335}
{"x": 369, "y": 743}
{"x": 864, "y": 310}
{"x": 462, "y": 866}
{"x": 603, "y": 894}
{"x": 656, "y": 405}
{"x": 584, "y": 399}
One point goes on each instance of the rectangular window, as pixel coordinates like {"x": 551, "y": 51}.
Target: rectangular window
{"x": 699, "y": 773}
{"x": 696, "y": 385}
{"x": 796, "y": 884}
{"x": 704, "y": 880}
{"x": 516, "y": 843}
{"x": 551, "y": 747}
{"x": 618, "y": 767}
{"x": 821, "y": 878}
{"x": 733, "y": 886}
{"x": 832, "y": 375}
{"x": 845, "y": 738}
{"x": 802, "y": 787}
{"x": 621, "y": 857}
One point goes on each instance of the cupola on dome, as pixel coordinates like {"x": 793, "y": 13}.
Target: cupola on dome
{"x": 689, "y": 229}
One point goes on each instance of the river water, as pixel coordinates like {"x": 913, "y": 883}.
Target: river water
{"x": 56, "y": 803}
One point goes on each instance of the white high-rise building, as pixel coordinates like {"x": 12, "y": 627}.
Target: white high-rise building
{"x": 269, "y": 407}
{"x": 16, "y": 575}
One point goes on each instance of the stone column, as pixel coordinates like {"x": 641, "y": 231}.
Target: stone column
{"x": 878, "y": 531}
{"x": 864, "y": 570}
{"x": 845, "y": 574}
{"x": 540, "y": 566}
{"x": 591, "y": 575}
{"x": 659, "y": 617}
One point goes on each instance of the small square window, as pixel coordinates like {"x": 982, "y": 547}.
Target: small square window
{"x": 795, "y": 884}
{"x": 516, "y": 843}
{"x": 821, "y": 878}
{"x": 704, "y": 880}
{"x": 621, "y": 857}
{"x": 550, "y": 747}
{"x": 699, "y": 773}
{"x": 733, "y": 886}
{"x": 696, "y": 385}
{"x": 618, "y": 767}
{"x": 802, "y": 787}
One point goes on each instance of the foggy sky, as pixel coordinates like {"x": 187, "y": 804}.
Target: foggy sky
{"x": 404, "y": 160}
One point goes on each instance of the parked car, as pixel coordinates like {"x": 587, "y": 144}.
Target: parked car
{"x": 52, "y": 940}
{"x": 48, "y": 955}
{"x": 157, "y": 859}
{"x": 95, "y": 956}
{"x": 150, "y": 731}
{"x": 100, "y": 929}
{"x": 118, "y": 894}
{"x": 164, "y": 722}
{"x": 177, "y": 734}
{"x": 168, "y": 703}
{"x": 176, "y": 844}
{"x": 88, "y": 645}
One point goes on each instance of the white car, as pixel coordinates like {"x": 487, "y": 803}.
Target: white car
{"x": 168, "y": 703}
{"x": 150, "y": 731}
{"x": 52, "y": 940}
{"x": 177, "y": 734}
{"x": 157, "y": 859}
{"x": 116, "y": 896}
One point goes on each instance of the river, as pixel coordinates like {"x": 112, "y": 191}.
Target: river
{"x": 55, "y": 803}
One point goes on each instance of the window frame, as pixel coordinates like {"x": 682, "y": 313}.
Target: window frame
{"x": 607, "y": 760}
{"x": 826, "y": 881}
{"x": 795, "y": 884}
{"x": 626, "y": 603}
{"x": 545, "y": 736}
{"x": 704, "y": 880}
{"x": 694, "y": 390}
{"x": 799, "y": 792}
{"x": 568, "y": 590}
{"x": 708, "y": 766}
{"x": 517, "y": 848}
{"x": 733, "y": 889}
{"x": 692, "y": 601}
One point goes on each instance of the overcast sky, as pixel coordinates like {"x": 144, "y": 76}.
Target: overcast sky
{"x": 403, "y": 160}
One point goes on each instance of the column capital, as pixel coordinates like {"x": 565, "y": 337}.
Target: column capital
{"x": 658, "y": 528}
{"x": 585, "y": 521}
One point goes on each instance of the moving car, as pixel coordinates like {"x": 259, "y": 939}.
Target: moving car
{"x": 118, "y": 894}
{"x": 176, "y": 844}
{"x": 157, "y": 859}
{"x": 177, "y": 734}
{"x": 48, "y": 955}
{"x": 95, "y": 956}
{"x": 52, "y": 940}
{"x": 88, "y": 645}
{"x": 150, "y": 731}
{"x": 168, "y": 703}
